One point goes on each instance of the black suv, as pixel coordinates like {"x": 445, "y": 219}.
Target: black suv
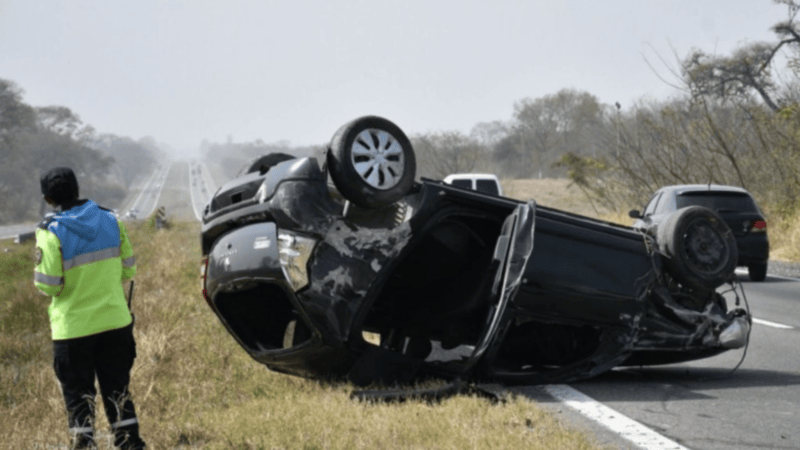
{"x": 733, "y": 204}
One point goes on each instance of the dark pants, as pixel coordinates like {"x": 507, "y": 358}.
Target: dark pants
{"x": 108, "y": 356}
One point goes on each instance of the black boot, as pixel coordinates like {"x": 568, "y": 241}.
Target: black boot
{"x": 127, "y": 438}
{"x": 83, "y": 442}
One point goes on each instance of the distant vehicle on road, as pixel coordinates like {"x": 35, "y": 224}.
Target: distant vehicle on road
{"x": 482, "y": 182}
{"x": 733, "y": 204}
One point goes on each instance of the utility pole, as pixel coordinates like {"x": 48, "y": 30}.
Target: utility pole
{"x": 617, "y": 127}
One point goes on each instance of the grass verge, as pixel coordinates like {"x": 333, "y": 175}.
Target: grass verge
{"x": 784, "y": 238}
{"x": 195, "y": 388}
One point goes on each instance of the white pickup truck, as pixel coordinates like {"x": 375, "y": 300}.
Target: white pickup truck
{"x": 482, "y": 182}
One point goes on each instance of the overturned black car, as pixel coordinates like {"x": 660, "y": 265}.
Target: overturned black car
{"x": 380, "y": 278}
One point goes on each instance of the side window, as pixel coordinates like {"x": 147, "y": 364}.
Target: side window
{"x": 651, "y": 207}
{"x": 666, "y": 204}
{"x": 464, "y": 184}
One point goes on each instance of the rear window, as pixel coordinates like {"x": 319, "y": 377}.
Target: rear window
{"x": 718, "y": 201}
{"x": 487, "y": 187}
{"x": 464, "y": 184}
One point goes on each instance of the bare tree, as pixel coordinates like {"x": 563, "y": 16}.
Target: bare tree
{"x": 737, "y": 75}
{"x": 546, "y": 128}
{"x": 443, "y": 153}
{"x": 748, "y": 70}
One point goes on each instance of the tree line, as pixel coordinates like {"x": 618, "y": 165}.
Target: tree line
{"x": 734, "y": 119}
{"x": 35, "y": 139}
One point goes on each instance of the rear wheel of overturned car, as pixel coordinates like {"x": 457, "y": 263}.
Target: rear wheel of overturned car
{"x": 699, "y": 248}
{"x": 371, "y": 162}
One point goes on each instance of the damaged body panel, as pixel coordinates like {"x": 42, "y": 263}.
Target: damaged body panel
{"x": 445, "y": 282}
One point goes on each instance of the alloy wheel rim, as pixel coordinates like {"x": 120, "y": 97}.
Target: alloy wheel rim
{"x": 378, "y": 158}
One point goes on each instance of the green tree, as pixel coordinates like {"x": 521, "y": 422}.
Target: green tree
{"x": 545, "y": 128}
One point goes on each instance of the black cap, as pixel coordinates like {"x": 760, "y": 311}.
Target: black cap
{"x": 60, "y": 185}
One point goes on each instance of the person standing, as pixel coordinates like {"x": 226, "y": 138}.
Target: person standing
{"x": 83, "y": 258}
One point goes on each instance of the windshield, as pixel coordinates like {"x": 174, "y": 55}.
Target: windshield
{"x": 718, "y": 201}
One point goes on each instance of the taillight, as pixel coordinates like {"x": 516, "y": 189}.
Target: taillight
{"x": 759, "y": 226}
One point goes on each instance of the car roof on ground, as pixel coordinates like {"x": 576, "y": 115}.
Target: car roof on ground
{"x": 683, "y": 188}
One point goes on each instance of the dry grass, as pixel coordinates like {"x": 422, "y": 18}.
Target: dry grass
{"x": 195, "y": 388}
{"x": 555, "y": 193}
{"x": 784, "y": 238}
{"x": 558, "y": 193}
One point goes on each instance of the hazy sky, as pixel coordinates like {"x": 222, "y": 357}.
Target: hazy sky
{"x": 181, "y": 71}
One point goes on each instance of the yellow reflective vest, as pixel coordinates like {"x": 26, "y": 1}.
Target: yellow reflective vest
{"x": 83, "y": 256}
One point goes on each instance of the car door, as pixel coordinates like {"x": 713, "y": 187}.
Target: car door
{"x": 513, "y": 249}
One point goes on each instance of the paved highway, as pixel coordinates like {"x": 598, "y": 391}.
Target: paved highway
{"x": 142, "y": 205}
{"x": 201, "y": 187}
{"x": 147, "y": 200}
{"x": 702, "y": 405}
{"x": 12, "y": 231}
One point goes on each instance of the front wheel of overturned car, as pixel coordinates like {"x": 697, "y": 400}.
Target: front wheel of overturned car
{"x": 699, "y": 248}
{"x": 371, "y": 162}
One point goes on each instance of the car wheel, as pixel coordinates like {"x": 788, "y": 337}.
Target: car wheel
{"x": 699, "y": 248}
{"x": 371, "y": 162}
{"x": 757, "y": 272}
{"x": 264, "y": 163}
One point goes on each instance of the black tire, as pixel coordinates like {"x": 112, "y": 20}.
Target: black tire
{"x": 757, "y": 272}
{"x": 371, "y": 162}
{"x": 262, "y": 164}
{"x": 699, "y": 248}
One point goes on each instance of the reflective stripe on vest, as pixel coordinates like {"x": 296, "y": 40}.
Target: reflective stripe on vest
{"x": 129, "y": 262}
{"x": 91, "y": 257}
{"x": 124, "y": 423}
{"x": 81, "y": 430}
{"x": 48, "y": 279}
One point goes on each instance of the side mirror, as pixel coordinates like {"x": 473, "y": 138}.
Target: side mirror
{"x": 634, "y": 214}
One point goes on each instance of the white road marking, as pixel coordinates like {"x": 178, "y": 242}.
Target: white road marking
{"x": 160, "y": 188}
{"x": 211, "y": 185}
{"x": 141, "y": 192}
{"x": 191, "y": 194}
{"x": 741, "y": 271}
{"x": 641, "y": 436}
{"x": 773, "y": 324}
{"x": 157, "y": 175}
